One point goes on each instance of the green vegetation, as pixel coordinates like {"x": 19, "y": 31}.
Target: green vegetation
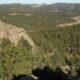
{"x": 56, "y": 46}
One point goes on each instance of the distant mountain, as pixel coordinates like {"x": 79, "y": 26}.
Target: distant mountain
{"x": 61, "y": 6}
{"x": 54, "y": 6}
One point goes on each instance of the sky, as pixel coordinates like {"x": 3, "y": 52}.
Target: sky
{"x": 38, "y": 1}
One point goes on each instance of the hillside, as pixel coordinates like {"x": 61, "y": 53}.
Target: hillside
{"x": 33, "y": 36}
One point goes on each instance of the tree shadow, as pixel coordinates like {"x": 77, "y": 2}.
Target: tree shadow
{"x": 44, "y": 74}
{"x": 48, "y": 74}
{"x": 22, "y": 77}
{"x": 78, "y": 74}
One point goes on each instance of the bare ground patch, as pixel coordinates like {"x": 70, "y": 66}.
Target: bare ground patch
{"x": 77, "y": 21}
{"x": 14, "y": 34}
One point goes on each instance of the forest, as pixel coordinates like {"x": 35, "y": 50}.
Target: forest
{"x": 57, "y": 52}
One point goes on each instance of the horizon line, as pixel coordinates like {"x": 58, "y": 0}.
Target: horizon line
{"x": 43, "y": 3}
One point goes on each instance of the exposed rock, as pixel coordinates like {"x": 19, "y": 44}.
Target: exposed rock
{"x": 67, "y": 68}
